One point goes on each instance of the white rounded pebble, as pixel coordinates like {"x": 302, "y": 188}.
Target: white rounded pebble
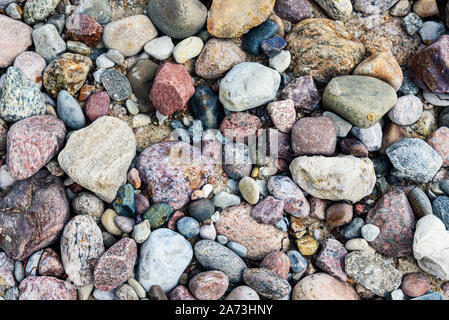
{"x": 103, "y": 62}
{"x": 104, "y": 295}
{"x": 140, "y": 120}
{"x": 208, "y": 232}
{"x": 188, "y": 49}
{"x": 115, "y": 56}
{"x": 207, "y": 190}
{"x": 6, "y": 180}
{"x": 132, "y": 107}
{"x": 215, "y": 217}
{"x": 140, "y": 291}
{"x": 160, "y": 48}
{"x": 356, "y": 244}
{"x": 371, "y": 137}
{"x": 249, "y": 189}
{"x": 407, "y": 110}
{"x": 263, "y": 188}
{"x": 97, "y": 75}
{"x": 370, "y": 232}
{"x": 398, "y": 294}
{"x": 142, "y": 231}
{"x": 281, "y": 61}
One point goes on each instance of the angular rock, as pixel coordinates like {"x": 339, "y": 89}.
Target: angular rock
{"x": 337, "y": 178}
{"x": 303, "y": 92}
{"x": 46, "y": 288}
{"x": 331, "y": 259}
{"x": 373, "y": 7}
{"x": 7, "y": 270}
{"x": 83, "y": 28}
{"x": 295, "y": 203}
{"x": 50, "y": 264}
{"x": 104, "y": 170}
{"x": 266, "y": 283}
{"x": 32, "y": 215}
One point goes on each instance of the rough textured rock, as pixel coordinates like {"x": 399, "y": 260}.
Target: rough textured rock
{"x": 373, "y": 272}
{"x": 6, "y": 270}
{"x": 314, "y": 136}
{"x": 361, "y": 100}
{"x": 323, "y": 49}
{"x": 116, "y": 265}
{"x": 331, "y": 259}
{"x": 20, "y": 97}
{"x": 50, "y": 264}
{"x": 295, "y": 203}
{"x": 321, "y": 286}
{"x": 278, "y": 262}
{"x": 172, "y": 171}
{"x": 15, "y": 38}
{"x": 46, "y": 288}
{"x": 439, "y": 141}
{"x": 394, "y": 217}
{"x": 35, "y": 11}
{"x": 104, "y": 170}
{"x": 232, "y": 18}
{"x": 266, "y": 283}
{"x": 81, "y": 247}
{"x": 237, "y": 225}
{"x": 31, "y": 143}
{"x": 430, "y": 246}
{"x": 209, "y": 285}
{"x": 32, "y": 215}
{"x": 163, "y": 258}
{"x": 336, "y": 9}
{"x": 373, "y": 7}
{"x": 83, "y": 28}
{"x": 337, "y": 178}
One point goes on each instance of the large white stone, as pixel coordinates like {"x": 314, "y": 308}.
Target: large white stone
{"x": 98, "y": 157}
{"x": 334, "y": 178}
{"x": 249, "y": 85}
{"x": 163, "y": 259}
{"x": 431, "y": 246}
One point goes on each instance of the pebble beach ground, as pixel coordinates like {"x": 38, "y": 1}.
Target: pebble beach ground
{"x": 224, "y": 149}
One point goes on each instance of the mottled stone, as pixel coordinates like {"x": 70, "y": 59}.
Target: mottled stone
{"x": 240, "y": 125}
{"x": 116, "y": 265}
{"x": 79, "y": 257}
{"x": 125, "y": 292}
{"x": 83, "y": 28}
{"x": 104, "y": 170}
{"x": 15, "y": 38}
{"x": 338, "y": 178}
{"x": 323, "y": 49}
{"x": 48, "y": 42}
{"x": 338, "y": 214}
{"x": 50, "y": 264}
{"x": 331, "y": 259}
{"x": 31, "y": 65}
{"x": 295, "y": 203}
{"x": 68, "y": 72}
{"x": 321, "y": 286}
{"x": 282, "y": 114}
{"x": 242, "y": 293}
{"x": 209, "y": 285}
{"x": 415, "y": 284}
{"x": 314, "y": 136}
{"x": 37, "y": 203}
{"x": 20, "y": 97}
{"x": 31, "y": 143}
{"x": 268, "y": 211}
{"x": 46, "y": 288}
{"x": 237, "y": 225}
{"x": 373, "y": 7}
{"x": 97, "y": 105}
{"x": 35, "y": 11}
{"x": 361, "y": 100}
{"x": 407, "y": 110}
{"x": 6, "y": 270}
{"x": 129, "y": 35}
{"x": 293, "y": 10}
{"x": 439, "y": 141}
{"x": 374, "y": 272}
{"x": 266, "y": 283}
{"x": 277, "y": 262}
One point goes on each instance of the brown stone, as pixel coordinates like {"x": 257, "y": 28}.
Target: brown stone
{"x": 209, "y": 285}
{"x": 439, "y": 140}
{"x": 339, "y": 214}
{"x": 415, "y": 284}
{"x": 383, "y": 66}
{"x": 83, "y": 28}
{"x": 323, "y": 49}
{"x": 354, "y": 147}
{"x": 426, "y": 8}
{"x": 392, "y": 133}
{"x": 314, "y": 136}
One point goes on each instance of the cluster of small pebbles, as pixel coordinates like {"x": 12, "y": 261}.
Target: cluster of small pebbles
{"x": 99, "y": 97}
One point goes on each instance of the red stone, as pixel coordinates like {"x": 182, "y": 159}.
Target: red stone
{"x": 209, "y": 285}
{"x": 172, "y": 88}
{"x": 50, "y": 264}
{"x": 394, "y": 216}
{"x": 32, "y": 142}
{"x": 180, "y": 293}
{"x": 339, "y": 214}
{"x": 314, "y": 136}
{"x": 116, "y": 265}
{"x": 278, "y": 262}
{"x": 46, "y": 288}
{"x": 171, "y": 224}
{"x": 331, "y": 259}
{"x": 97, "y": 105}
{"x": 268, "y": 211}
{"x": 83, "y": 28}
{"x": 240, "y": 125}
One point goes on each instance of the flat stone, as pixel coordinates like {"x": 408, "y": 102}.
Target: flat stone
{"x": 314, "y": 136}
{"x": 104, "y": 170}
{"x": 266, "y": 283}
{"x": 46, "y": 288}
{"x": 350, "y": 96}
{"x": 15, "y": 38}
{"x": 338, "y": 178}
{"x": 321, "y": 286}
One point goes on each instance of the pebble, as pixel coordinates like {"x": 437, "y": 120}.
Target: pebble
{"x": 221, "y": 239}
{"x": 353, "y": 147}
{"x": 407, "y": 110}
{"x": 201, "y": 209}
{"x": 125, "y": 292}
{"x": 441, "y": 209}
{"x": 256, "y": 36}
{"x": 232, "y": 18}
{"x": 242, "y": 293}
{"x": 103, "y": 171}
{"x": 69, "y": 111}
{"x": 79, "y": 258}
{"x": 303, "y": 92}
{"x": 20, "y": 98}
{"x": 438, "y": 140}
{"x": 370, "y": 137}
{"x": 249, "y": 190}
{"x": 431, "y": 31}
{"x": 412, "y": 23}
{"x": 358, "y": 244}
{"x": 343, "y": 126}
{"x": 248, "y": 85}
{"x": 277, "y": 262}
{"x": 343, "y": 95}
{"x": 50, "y": 264}
{"x": 175, "y": 79}
{"x": 178, "y": 19}
{"x": 372, "y": 7}
{"x": 319, "y": 177}
{"x": 217, "y": 57}
{"x": 187, "y": 49}
{"x": 295, "y": 203}
{"x": 125, "y": 224}
{"x": 116, "y": 84}
{"x": 273, "y": 46}
{"x": 425, "y": 8}
{"x": 268, "y": 211}
{"x": 414, "y": 159}
{"x": 141, "y": 231}
{"x": 158, "y": 214}
{"x": 160, "y": 48}
{"x": 32, "y": 143}
{"x": 207, "y": 107}
{"x": 31, "y": 65}
{"x": 188, "y": 227}
{"x": 140, "y": 77}
{"x": 314, "y": 136}
{"x": 83, "y": 28}
{"x": 103, "y": 295}
{"x": 124, "y": 203}
{"x": 180, "y": 293}
{"x": 266, "y": 283}
{"x": 298, "y": 263}
{"x": 338, "y": 214}
{"x": 129, "y": 35}
{"x": 35, "y": 11}
{"x": 46, "y": 209}
{"x": 46, "y": 288}
{"x": 321, "y": 286}
{"x": 353, "y": 229}
{"x": 209, "y": 285}
{"x": 103, "y": 62}
{"x": 281, "y": 61}
{"x": 48, "y": 42}
{"x": 15, "y": 38}
{"x": 163, "y": 258}
{"x": 240, "y": 125}
{"x": 370, "y": 232}
{"x": 6, "y": 270}
{"x": 89, "y": 204}
{"x": 100, "y": 10}
{"x": 237, "y": 225}
{"x": 224, "y": 200}
{"x": 419, "y": 202}
{"x": 240, "y": 250}
{"x": 208, "y": 232}
{"x": 373, "y": 272}
{"x": 331, "y": 259}
{"x": 116, "y": 265}
{"x": 415, "y": 284}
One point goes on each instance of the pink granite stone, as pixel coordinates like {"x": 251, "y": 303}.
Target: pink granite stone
{"x": 180, "y": 293}
{"x": 283, "y": 114}
{"x": 97, "y": 105}
{"x": 314, "y": 136}
{"x": 278, "y": 262}
{"x": 295, "y": 203}
{"x": 240, "y": 125}
{"x": 32, "y": 142}
{"x": 15, "y": 38}
{"x": 172, "y": 88}
{"x": 6, "y": 270}
{"x": 50, "y": 264}
{"x": 331, "y": 259}
{"x": 268, "y": 211}
{"x": 31, "y": 65}
{"x": 209, "y": 285}
{"x": 116, "y": 265}
{"x": 46, "y": 288}
{"x": 439, "y": 141}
